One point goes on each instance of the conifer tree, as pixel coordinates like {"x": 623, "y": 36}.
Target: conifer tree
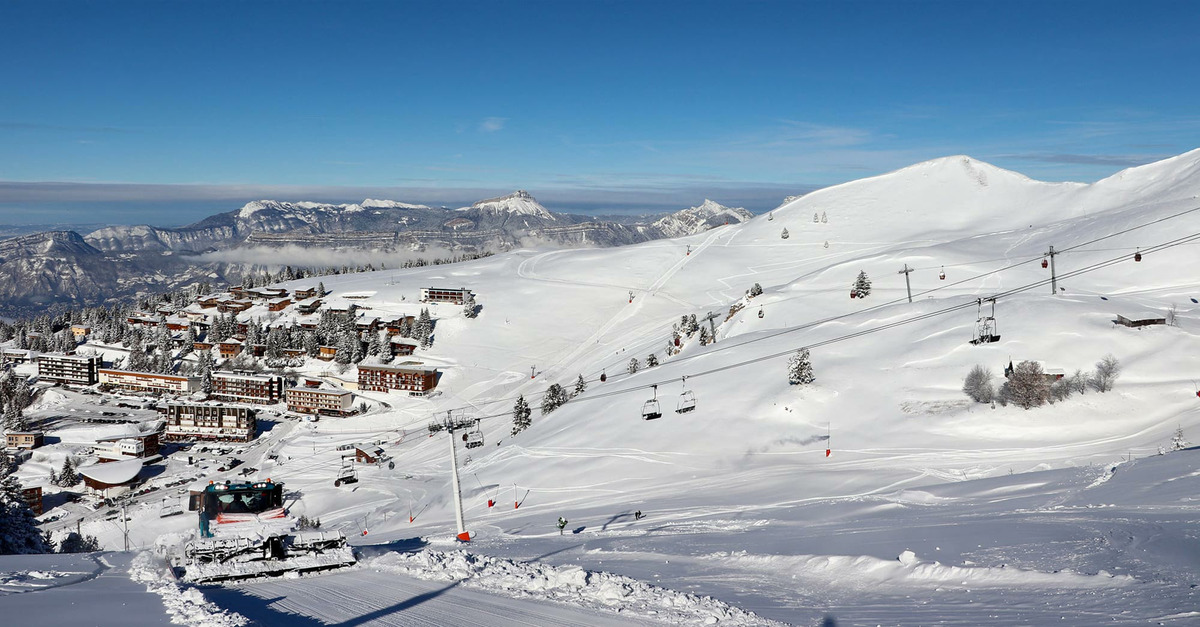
{"x": 521, "y": 414}
{"x": 67, "y": 477}
{"x": 862, "y": 285}
{"x": 554, "y": 398}
{"x": 469, "y": 307}
{"x": 634, "y": 366}
{"x": 651, "y": 360}
{"x": 800, "y": 370}
{"x": 18, "y": 527}
{"x": 580, "y": 386}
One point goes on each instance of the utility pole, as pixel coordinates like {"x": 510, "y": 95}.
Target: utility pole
{"x": 1053, "y": 276}
{"x": 907, "y": 285}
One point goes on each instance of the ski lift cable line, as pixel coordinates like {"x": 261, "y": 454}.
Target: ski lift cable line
{"x": 940, "y": 312}
{"x": 888, "y": 326}
{"x": 1040, "y": 283}
{"x": 1010, "y": 266}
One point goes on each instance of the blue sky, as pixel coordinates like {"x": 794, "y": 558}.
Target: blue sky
{"x": 194, "y": 108}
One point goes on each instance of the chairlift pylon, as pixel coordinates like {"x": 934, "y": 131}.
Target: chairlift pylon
{"x": 687, "y": 399}
{"x": 650, "y": 409}
{"x": 986, "y": 330}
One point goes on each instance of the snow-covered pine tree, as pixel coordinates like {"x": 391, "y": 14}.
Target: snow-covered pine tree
{"x": 321, "y": 289}
{"x": 470, "y": 309}
{"x": 862, "y": 285}
{"x": 634, "y": 366}
{"x": 816, "y": 217}
{"x": 755, "y": 290}
{"x": 784, "y": 234}
{"x": 554, "y": 398}
{"x": 800, "y": 370}
{"x": 651, "y": 360}
{"x": 1178, "y": 442}
{"x": 18, "y": 528}
{"x": 704, "y": 337}
{"x": 824, "y": 218}
{"x": 312, "y": 346}
{"x": 67, "y": 477}
{"x": 580, "y": 386}
{"x": 204, "y": 365}
{"x": 521, "y": 414}
{"x": 375, "y": 345}
{"x": 73, "y": 542}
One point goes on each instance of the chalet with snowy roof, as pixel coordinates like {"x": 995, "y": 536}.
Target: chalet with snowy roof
{"x": 343, "y": 311}
{"x": 293, "y": 353}
{"x": 81, "y": 331}
{"x": 365, "y": 324}
{"x": 455, "y": 296}
{"x": 278, "y": 304}
{"x": 393, "y": 326}
{"x": 17, "y": 356}
{"x": 23, "y": 440}
{"x": 364, "y": 454}
{"x": 402, "y": 347}
{"x": 151, "y": 382}
{"x": 209, "y": 301}
{"x": 234, "y": 306}
{"x": 230, "y": 348}
{"x": 72, "y": 369}
{"x": 202, "y": 346}
{"x": 112, "y": 479}
{"x": 309, "y": 291}
{"x": 380, "y": 378}
{"x": 327, "y": 353}
{"x": 142, "y": 320}
{"x": 1136, "y": 321}
{"x": 237, "y": 291}
{"x": 308, "y": 306}
{"x": 177, "y": 323}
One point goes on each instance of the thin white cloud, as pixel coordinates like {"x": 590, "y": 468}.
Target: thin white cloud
{"x": 491, "y": 125}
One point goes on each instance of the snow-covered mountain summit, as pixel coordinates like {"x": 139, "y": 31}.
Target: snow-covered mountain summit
{"x": 520, "y": 203}
{"x": 698, "y": 219}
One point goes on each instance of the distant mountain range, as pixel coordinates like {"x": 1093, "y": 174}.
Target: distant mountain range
{"x": 41, "y": 270}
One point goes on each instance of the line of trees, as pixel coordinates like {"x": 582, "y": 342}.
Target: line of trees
{"x": 1027, "y": 386}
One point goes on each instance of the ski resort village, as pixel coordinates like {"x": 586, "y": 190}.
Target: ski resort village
{"x": 853, "y": 408}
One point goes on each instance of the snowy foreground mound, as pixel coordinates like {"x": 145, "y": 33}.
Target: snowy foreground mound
{"x": 567, "y": 584}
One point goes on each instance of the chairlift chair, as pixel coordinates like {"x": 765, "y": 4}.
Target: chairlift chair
{"x": 687, "y": 399}
{"x": 986, "y": 330}
{"x": 650, "y": 409}
{"x": 473, "y": 438}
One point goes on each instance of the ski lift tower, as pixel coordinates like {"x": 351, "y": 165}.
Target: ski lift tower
{"x": 450, "y": 424}
{"x": 712, "y": 325}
